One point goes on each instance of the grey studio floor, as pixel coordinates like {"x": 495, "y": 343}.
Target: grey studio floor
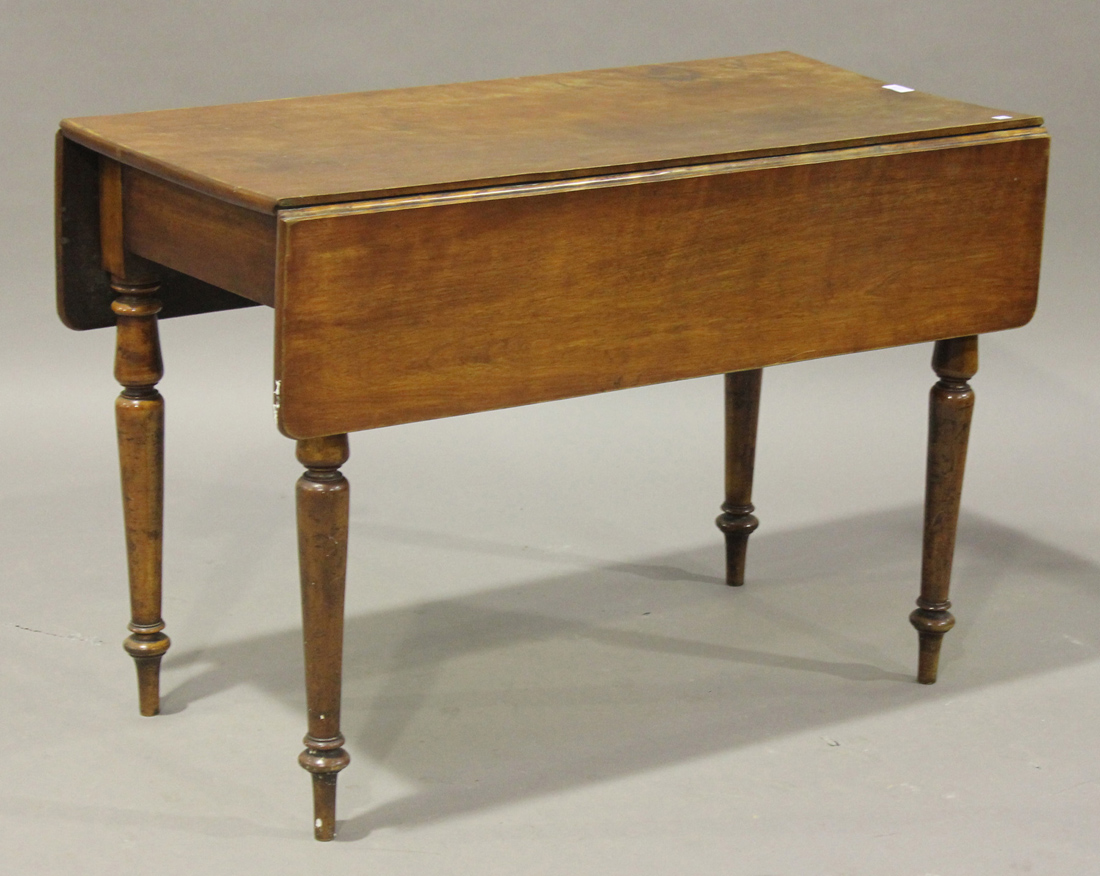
{"x": 544, "y": 672}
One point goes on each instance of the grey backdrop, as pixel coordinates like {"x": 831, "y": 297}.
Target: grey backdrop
{"x": 518, "y": 716}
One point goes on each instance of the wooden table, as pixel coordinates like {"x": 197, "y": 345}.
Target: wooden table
{"x": 442, "y": 250}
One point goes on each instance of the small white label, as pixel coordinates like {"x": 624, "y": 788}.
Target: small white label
{"x": 1001, "y": 118}
{"x": 900, "y": 89}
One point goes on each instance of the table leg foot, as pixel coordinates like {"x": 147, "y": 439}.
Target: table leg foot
{"x": 930, "y": 624}
{"x": 951, "y": 405}
{"x": 147, "y": 649}
{"x": 324, "y": 758}
{"x": 323, "y": 502}
{"x": 736, "y": 520}
{"x": 139, "y": 416}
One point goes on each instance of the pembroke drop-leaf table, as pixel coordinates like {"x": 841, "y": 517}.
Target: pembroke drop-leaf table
{"x": 443, "y": 250}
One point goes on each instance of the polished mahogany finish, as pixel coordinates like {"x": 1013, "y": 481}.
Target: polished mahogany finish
{"x": 737, "y": 521}
{"x": 633, "y": 281}
{"x": 139, "y": 414}
{"x": 374, "y": 144}
{"x": 951, "y": 406}
{"x": 451, "y": 249}
{"x": 322, "y": 495}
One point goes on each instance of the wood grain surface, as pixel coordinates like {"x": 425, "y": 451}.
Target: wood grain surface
{"x": 139, "y": 417}
{"x": 737, "y": 522}
{"x": 323, "y": 505}
{"x": 450, "y": 249}
{"x": 394, "y": 315}
{"x": 950, "y": 409}
{"x": 219, "y": 243}
{"x": 344, "y": 147}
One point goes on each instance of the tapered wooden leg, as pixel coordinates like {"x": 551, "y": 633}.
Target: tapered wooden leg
{"x": 322, "y": 497}
{"x": 951, "y": 405}
{"x": 139, "y": 415}
{"x": 736, "y": 520}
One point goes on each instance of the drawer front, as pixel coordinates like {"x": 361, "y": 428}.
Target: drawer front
{"x": 431, "y": 306}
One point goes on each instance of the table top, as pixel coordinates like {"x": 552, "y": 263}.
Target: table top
{"x": 344, "y": 147}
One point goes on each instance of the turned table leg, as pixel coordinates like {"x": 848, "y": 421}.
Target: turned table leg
{"x": 139, "y": 415}
{"x": 736, "y": 520}
{"x": 322, "y": 499}
{"x": 951, "y": 404}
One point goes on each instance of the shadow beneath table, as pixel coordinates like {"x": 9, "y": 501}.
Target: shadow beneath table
{"x": 619, "y": 668}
